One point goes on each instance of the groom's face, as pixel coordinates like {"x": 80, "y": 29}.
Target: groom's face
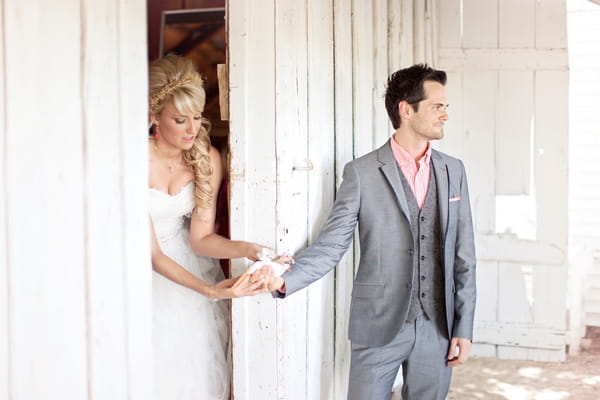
{"x": 431, "y": 114}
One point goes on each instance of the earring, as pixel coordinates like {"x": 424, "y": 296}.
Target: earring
{"x": 156, "y": 133}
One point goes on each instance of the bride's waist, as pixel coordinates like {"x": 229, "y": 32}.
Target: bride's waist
{"x": 168, "y": 231}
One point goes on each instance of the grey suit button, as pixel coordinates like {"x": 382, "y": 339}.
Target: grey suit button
{"x": 422, "y": 294}
{"x": 411, "y": 252}
{"x": 422, "y": 237}
{"x": 422, "y": 277}
{"x": 422, "y": 218}
{"x": 422, "y": 257}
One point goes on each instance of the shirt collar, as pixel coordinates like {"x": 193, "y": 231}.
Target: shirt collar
{"x": 402, "y": 157}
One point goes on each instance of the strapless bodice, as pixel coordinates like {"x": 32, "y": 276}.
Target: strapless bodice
{"x": 169, "y": 212}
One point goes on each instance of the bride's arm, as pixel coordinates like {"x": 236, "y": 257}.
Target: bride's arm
{"x": 203, "y": 239}
{"x": 168, "y": 268}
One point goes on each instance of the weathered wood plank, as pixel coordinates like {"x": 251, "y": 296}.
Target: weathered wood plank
{"x": 419, "y": 29}
{"x": 407, "y": 34}
{"x": 515, "y": 293}
{"x": 253, "y": 193}
{"x": 480, "y": 106}
{"x": 551, "y": 159}
{"x": 450, "y": 21}
{"x": 515, "y": 27}
{"x": 510, "y": 248}
{"x": 222, "y": 75}
{"x": 43, "y": 166}
{"x": 433, "y": 30}
{"x": 551, "y": 24}
{"x": 137, "y": 270}
{"x": 425, "y": 32}
{"x": 505, "y": 59}
{"x": 514, "y": 134}
{"x": 381, "y": 125}
{"x": 480, "y": 23}
{"x": 525, "y": 353}
{"x": 363, "y": 55}
{"x": 519, "y": 334}
{"x": 394, "y": 34}
{"x": 106, "y": 338}
{"x": 551, "y": 186}
{"x": 292, "y": 185}
{"x": 487, "y": 287}
{"x": 321, "y": 192}
{"x": 344, "y": 145}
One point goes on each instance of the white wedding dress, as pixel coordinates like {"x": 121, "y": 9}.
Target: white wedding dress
{"x": 190, "y": 336}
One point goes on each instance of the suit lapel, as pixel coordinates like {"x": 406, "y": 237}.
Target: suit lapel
{"x": 440, "y": 171}
{"x": 390, "y": 171}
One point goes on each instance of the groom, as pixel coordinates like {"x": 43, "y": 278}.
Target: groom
{"x": 413, "y": 298}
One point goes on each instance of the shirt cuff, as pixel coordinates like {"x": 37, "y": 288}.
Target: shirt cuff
{"x": 282, "y": 289}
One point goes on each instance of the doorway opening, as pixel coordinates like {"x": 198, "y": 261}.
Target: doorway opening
{"x": 196, "y": 29}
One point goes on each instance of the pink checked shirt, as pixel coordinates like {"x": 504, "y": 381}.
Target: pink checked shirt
{"x": 418, "y": 178}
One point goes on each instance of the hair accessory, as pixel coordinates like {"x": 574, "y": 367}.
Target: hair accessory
{"x": 167, "y": 90}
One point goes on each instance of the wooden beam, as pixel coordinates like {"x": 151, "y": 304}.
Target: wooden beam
{"x": 455, "y": 59}
{"x": 509, "y": 248}
{"x": 223, "y": 77}
{"x": 519, "y": 335}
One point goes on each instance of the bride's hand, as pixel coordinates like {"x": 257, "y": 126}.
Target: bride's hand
{"x": 254, "y": 251}
{"x": 244, "y": 285}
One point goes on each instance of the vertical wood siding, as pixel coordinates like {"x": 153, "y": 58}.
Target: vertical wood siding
{"x": 75, "y": 269}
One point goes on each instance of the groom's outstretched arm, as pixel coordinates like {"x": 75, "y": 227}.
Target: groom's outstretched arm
{"x": 334, "y": 239}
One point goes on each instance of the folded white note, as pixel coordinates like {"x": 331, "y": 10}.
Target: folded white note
{"x": 278, "y": 269}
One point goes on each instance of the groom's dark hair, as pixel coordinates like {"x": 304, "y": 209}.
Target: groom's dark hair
{"x": 407, "y": 85}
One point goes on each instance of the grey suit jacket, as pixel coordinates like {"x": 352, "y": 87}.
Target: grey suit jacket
{"x": 371, "y": 195}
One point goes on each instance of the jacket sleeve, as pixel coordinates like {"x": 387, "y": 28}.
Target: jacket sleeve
{"x": 464, "y": 267}
{"x": 334, "y": 239}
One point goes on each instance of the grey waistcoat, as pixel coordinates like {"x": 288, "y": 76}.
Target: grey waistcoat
{"x": 427, "y": 292}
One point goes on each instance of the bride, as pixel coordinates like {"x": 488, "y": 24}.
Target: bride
{"x": 190, "y": 328}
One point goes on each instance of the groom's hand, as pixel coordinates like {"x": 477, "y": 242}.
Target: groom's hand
{"x": 459, "y": 351}
{"x": 276, "y": 283}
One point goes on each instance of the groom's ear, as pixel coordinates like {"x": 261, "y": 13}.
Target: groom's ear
{"x": 404, "y": 110}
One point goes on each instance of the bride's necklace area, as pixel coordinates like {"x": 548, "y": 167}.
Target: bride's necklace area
{"x": 171, "y": 164}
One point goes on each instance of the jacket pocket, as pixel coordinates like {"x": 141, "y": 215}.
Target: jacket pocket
{"x": 368, "y": 290}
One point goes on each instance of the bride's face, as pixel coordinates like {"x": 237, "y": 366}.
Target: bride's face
{"x": 176, "y": 128}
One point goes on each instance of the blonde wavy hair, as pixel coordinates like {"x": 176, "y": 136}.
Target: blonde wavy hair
{"x": 175, "y": 79}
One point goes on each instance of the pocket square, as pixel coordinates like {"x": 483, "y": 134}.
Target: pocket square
{"x": 454, "y": 198}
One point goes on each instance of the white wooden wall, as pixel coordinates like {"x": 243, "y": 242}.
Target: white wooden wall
{"x": 508, "y": 90}
{"x": 75, "y": 309}
{"x": 307, "y": 81}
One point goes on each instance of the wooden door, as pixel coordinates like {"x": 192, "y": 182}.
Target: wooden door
{"x": 508, "y": 90}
